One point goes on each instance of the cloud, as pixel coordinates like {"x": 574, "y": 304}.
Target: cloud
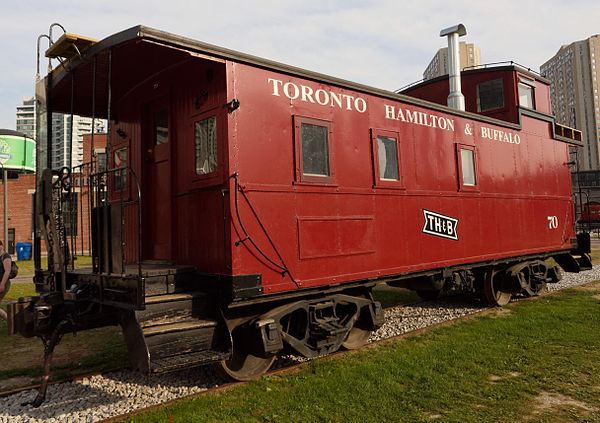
{"x": 386, "y": 43}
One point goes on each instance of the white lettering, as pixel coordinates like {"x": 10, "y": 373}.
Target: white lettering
{"x": 412, "y": 116}
{"x": 337, "y": 98}
{"x": 322, "y": 97}
{"x": 552, "y": 222}
{"x": 307, "y": 93}
{"x": 443, "y": 123}
{"x": 498, "y": 135}
{"x": 276, "y": 84}
{"x": 286, "y": 90}
{"x": 417, "y": 118}
{"x": 389, "y": 112}
{"x": 349, "y": 99}
{"x": 400, "y": 116}
{"x": 450, "y": 229}
{"x": 360, "y": 105}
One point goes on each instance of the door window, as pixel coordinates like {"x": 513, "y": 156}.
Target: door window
{"x": 205, "y": 135}
{"x": 161, "y": 127}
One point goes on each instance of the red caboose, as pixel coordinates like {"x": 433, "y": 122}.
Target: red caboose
{"x": 249, "y": 207}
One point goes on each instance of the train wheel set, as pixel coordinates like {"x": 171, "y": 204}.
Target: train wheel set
{"x": 239, "y": 209}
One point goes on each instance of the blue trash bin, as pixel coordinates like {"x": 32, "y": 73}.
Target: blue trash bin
{"x": 23, "y": 250}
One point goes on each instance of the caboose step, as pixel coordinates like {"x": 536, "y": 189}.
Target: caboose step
{"x": 180, "y": 296}
{"x": 173, "y": 308}
{"x": 574, "y": 263}
{"x": 183, "y": 361}
{"x": 175, "y": 331}
{"x": 585, "y": 262}
{"x": 163, "y": 277}
{"x": 179, "y": 327}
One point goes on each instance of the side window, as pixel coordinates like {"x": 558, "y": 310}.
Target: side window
{"x": 120, "y": 161}
{"x": 490, "y": 95}
{"x": 313, "y": 150}
{"x": 467, "y": 168}
{"x": 386, "y": 159}
{"x": 101, "y": 161}
{"x": 526, "y": 95}
{"x": 69, "y": 211}
{"x": 205, "y": 142}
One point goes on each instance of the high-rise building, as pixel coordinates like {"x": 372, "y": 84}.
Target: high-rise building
{"x": 469, "y": 53}
{"x": 26, "y": 117}
{"x": 575, "y": 75}
{"x": 61, "y": 134}
{"x": 61, "y": 131}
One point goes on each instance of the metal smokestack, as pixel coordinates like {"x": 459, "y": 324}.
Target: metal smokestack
{"x": 455, "y": 99}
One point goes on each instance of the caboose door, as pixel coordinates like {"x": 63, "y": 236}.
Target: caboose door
{"x": 156, "y": 195}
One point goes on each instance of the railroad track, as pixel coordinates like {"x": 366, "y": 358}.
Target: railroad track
{"x": 115, "y": 394}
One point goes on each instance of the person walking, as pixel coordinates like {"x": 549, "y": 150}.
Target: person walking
{"x": 4, "y": 282}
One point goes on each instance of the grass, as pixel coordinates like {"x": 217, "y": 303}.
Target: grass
{"x": 389, "y": 296}
{"x": 27, "y": 267}
{"x": 531, "y": 361}
{"x": 97, "y": 349}
{"x": 93, "y": 350}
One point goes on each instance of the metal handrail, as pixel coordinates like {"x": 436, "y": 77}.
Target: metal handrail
{"x": 399, "y": 90}
{"x": 506, "y": 62}
{"x": 96, "y": 176}
{"x": 482, "y": 66}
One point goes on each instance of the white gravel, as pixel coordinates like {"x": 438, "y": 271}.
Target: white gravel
{"x": 399, "y": 320}
{"x": 121, "y": 392}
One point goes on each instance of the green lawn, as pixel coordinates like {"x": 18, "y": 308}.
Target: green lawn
{"x": 92, "y": 350}
{"x": 535, "y": 361}
{"x": 26, "y": 267}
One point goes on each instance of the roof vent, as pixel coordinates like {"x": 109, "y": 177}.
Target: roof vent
{"x": 456, "y": 100}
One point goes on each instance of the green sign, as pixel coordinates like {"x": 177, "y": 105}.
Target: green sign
{"x": 17, "y": 153}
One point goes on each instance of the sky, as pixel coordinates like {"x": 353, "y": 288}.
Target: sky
{"x": 383, "y": 43}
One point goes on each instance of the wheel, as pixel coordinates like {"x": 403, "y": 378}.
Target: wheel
{"x": 492, "y": 292}
{"x": 244, "y": 364}
{"x": 357, "y": 338}
{"x": 536, "y": 279}
{"x": 428, "y": 295}
{"x": 534, "y": 288}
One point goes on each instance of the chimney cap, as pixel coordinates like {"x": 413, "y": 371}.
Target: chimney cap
{"x": 460, "y": 29}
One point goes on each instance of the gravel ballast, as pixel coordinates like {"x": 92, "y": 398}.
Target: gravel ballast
{"x": 116, "y": 393}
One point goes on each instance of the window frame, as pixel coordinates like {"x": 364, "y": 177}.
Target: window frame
{"x": 378, "y": 182}
{"x": 478, "y": 97}
{"x": 70, "y": 215}
{"x": 216, "y": 170}
{"x": 528, "y": 83}
{"x": 215, "y": 176}
{"x": 461, "y": 185}
{"x": 111, "y": 176}
{"x": 300, "y": 176}
{"x": 117, "y": 174}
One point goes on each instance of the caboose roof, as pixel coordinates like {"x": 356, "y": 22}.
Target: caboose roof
{"x": 151, "y": 50}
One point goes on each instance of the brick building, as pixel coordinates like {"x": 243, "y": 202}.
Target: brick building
{"x": 20, "y": 205}
{"x": 20, "y": 202}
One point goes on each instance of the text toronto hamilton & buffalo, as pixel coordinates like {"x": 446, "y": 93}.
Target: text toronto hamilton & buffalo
{"x": 325, "y": 97}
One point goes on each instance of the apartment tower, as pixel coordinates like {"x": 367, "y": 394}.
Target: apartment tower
{"x": 575, "y": 74}
{"x": 469, "y": 56}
